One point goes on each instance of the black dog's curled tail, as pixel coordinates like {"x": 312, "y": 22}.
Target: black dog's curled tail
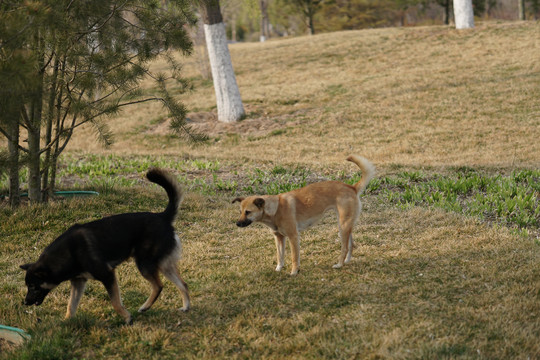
{"x": 173, "y": 189}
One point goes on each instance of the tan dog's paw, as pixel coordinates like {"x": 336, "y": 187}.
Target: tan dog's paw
{"x": 337, "y": 266}
{"x": 279, "y": 267}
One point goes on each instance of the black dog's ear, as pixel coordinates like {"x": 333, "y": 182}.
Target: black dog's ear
{"x": 26, "y": 266}
{"x": 259, "y": 202}
{"x": 239, "y": 199}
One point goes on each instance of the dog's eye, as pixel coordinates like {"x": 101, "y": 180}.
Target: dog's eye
{"x": 248, "y": 212}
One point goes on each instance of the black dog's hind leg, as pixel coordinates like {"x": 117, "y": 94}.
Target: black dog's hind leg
{"x": 157, "y": 286}
{"x": 111, "y": 284}
{"x": 77, "y": 291}
{"x": 168, "y": 268}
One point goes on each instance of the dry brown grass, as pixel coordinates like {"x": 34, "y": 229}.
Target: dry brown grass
{"x": 423, "y": 284}
{"x": 414, "y": 96}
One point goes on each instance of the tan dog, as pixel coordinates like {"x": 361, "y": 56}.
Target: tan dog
{"x": 289, "y": 213}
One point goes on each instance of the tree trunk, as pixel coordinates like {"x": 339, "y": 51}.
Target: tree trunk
{"x": 311, "y": 24}
{"x": 446, "y": 16}
{"x": 34, "y": 128}
{"x": 45, "y": 185}
{"x": 229, "y": 102}
{"x": 34, "y": 176}
{"x": 264, "y": 20}
{"x": 463, "y": 14}
{"x": 521, "y": 9}
{"x": 233, "y": 28}
{"x": 13, "y": 150}
{"x": 58, "y": 126}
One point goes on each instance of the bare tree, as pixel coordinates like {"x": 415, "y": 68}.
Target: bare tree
{"x": 446, "y": 10}
{"x": 265, "y": 22}
{"x": 308, "y": 8}
{"x": 521, "y": 9}
{"x": 463, "y": 14}
{"x": 229, "y": 102}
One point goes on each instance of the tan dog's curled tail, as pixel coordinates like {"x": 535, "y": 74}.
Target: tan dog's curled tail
{"x": 368, "y": 172}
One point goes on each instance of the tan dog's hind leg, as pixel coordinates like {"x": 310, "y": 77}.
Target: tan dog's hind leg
{"x": 347, "y": 218}
{"x": 294, "y": 240}
{"x": 280, "y": 248}
{"x": 349, "y": 253}
{"x": 345, "y": 251}
{"x": 77, "y": 291}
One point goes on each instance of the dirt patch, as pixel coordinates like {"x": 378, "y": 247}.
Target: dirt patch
{"x": 255, "y": 124}
{"x": 6, "y": 346}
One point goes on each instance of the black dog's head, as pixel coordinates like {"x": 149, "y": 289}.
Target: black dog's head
{"x": 38, "y": 282}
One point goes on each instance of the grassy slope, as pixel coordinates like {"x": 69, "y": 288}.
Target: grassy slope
{"x": 424, "y": 283}
{"x": 414, "y": 96}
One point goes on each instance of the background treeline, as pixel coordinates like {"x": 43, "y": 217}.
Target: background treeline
{"x": 247, "y": 20}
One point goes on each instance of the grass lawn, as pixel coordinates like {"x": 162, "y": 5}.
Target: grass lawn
{"x": 447, "y": 257}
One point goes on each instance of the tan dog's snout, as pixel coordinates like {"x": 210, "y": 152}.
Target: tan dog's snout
{"x": 243, "y": 221}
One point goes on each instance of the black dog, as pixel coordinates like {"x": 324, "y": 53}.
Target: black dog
{"x": 93, "y": 250}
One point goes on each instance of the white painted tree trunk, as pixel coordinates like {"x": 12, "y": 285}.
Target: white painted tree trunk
{"x": 463, "y": 14}
{"x": 229, "y": 102}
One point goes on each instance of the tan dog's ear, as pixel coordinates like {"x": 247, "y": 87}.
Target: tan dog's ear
{"x": 259, "y": 202}
{"x": 271, "y": 205}
{"x": 239, "y": 199}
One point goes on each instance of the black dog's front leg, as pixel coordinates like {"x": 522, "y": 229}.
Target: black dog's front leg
{"x": 113, "y": 290}
{"x": 77, "y": 291}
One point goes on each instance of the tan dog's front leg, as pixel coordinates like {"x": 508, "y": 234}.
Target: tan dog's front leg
{"x": 280, "y": 247}
{"x": 294, "y": 240}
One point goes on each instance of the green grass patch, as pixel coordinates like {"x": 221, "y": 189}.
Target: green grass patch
{"x": 509, "y": 200}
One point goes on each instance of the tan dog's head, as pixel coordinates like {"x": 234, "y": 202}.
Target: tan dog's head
{"x": 252, "y": 209}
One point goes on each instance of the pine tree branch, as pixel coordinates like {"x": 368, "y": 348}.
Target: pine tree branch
{"x": 6, "y": 135}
